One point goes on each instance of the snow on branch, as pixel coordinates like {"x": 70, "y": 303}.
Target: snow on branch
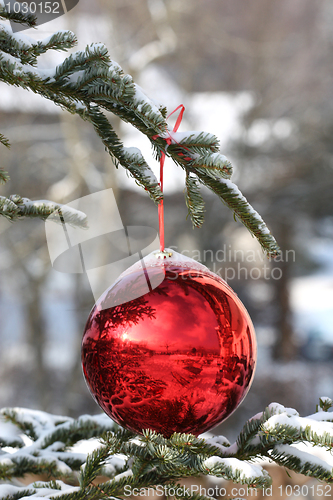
{"x": 35, "y": 442}
{"x": 238, "y": 471}
{"x": 15, "y": 207}
{"x": 301, "y": 461}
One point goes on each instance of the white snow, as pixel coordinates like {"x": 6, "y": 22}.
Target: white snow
{"x": 44, "y": 424}
{"x": 300, "y": 423}
{"x": 219, "y": 441}
{"x": 278, "y": 408}
{"x": 246, "y": 469}
{"x": 9, "y": 431}
{"x": 234, "y": 189}
{"x": 47, "y": 39}
{"x": 37, "y": 490}
{"x": 21, "y": 38}
{"x": 136, "y": 155}
{"x": 67, "y": 212}
{"x": 127, "y": 473}
{"x": 27, "y": 68}
{"x": 73, "y": 78}
{"x": 303, "y": 456}
{"x": 132, "y": 151}
{"x": 141, "y": 98}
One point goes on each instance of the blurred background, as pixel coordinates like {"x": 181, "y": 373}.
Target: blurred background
{"x": 258, "y": 75}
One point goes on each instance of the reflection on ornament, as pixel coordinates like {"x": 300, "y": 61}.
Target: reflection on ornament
{"x": 179, "y": 358}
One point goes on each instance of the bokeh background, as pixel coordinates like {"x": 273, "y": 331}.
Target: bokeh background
{"x": 258, "y": 75}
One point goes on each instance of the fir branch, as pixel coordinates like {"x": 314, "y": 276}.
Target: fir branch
{"x": 15, "y": 492}
{"x": 324, "y": 404}
{"x": 238, "y": 471}
{"x": 153, "y": 460}
{"x": 301, "y": 462}
{"x": 233, "y": 198}
{"x": 27, "y": 50}
{"x": 248, "y": 433}
{"x": 194, "y": 201}
{"x": 214, "y": 164}
{"x": 195, "y": 141}
{"x": 131, "y": 159}
{"x": 61, "y": 40}
{"x": 4, "y": 141}
{"x": 4, "y": 177}
{"x": 8, "y": 209}
{"x": 35, "y": 465}
{"x": 27, "y": 19}
{"x": 93, "y": 466}
{"x": 93, "y": 56}
{"x": 88, "y": 82}
{"x": 72, "y": 432}
{"x": 15, "y": 207}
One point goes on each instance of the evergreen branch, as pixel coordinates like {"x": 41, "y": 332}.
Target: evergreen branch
{"x": 324, "y": 404}
{"x": 8, "y": 209}
{"x": 5, "y": 142}
{"x": 194, "y": 201}
{"x": 15, "y": 207}
{"x": 246, "y": 436}
{"x": 129, "y": 108}
{"x": 195, "y": 141}
{"x": 11, "y": 492}
{"x": 34, "y": 465}
{"x": 238, "y": 471}
{"x": 288, "y": 425}
{"x": 27, "y": 19}
{"x": 130, "y": 158}
{"x": 252, "y": 441}
{"x": 17, "y": 47}
{"x": 233, "y": 198}
{"x": 93, "y": 466}
{"x": 301, "y": 462}
{"x": 16, "y": 492}
{"x": 4, "y": 177}
{"x": 154, "y": 460}
{"x": 83, "y": 428}
{"x": 117, "y": 486}
{"x": 87, "y": 82}
{"x": 93, "y": 56}
{"x": 214, "y": 164}
{"x": 61, "y": 40}
{"x": 26, "y": 49}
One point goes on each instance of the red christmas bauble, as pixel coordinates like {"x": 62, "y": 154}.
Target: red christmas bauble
{"x": 169, "y": 347}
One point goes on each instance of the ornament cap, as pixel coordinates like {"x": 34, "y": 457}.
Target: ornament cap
{"x": 163, "y": 254}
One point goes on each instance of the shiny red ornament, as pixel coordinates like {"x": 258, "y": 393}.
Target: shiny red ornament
{"x": 178, "y": 356}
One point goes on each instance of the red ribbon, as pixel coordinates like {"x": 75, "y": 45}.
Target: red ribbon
{"x": 168, "y": 140}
